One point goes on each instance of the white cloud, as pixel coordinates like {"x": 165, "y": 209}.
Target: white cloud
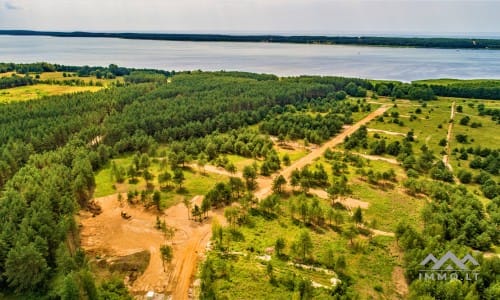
{"x": 11, "y": 6}
{"x": 275, "y": 16}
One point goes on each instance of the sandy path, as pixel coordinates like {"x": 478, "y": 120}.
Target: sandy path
{"x": 376, "y": 157}
{"x": 446, "y": 157}
{"x": 219, "y": 170}
{"x": 491, "y": 254}
{"x": 348, "y": 202}
{"x": 265, "y": 184}
{"x": 382, "y": 233}
{"x": 386, "y": 132}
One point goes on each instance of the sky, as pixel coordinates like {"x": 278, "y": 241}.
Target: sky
{"x": 416, "y": 17}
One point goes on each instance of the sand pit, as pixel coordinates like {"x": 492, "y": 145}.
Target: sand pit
{"x": 109, "y": 234}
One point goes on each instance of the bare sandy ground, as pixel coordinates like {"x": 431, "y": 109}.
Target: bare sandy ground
{"x": 110, "y": 234}
{"x": 386, "y": 132}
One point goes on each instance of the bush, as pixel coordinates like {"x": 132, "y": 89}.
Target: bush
{"x": 464, "y": 176}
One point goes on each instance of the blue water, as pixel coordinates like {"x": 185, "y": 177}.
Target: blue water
{"x": 404, "y": 64}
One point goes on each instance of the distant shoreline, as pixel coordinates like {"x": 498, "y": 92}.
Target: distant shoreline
{"x": 416, "y": 42}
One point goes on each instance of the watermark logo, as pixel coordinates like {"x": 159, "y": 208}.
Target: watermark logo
{"x": 448, "y": 267}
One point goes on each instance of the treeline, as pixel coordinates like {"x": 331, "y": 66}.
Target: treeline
{"x": 14, "y": 81}
{"x": 453, "y": 43}
{"x": 481, "y": 89}
{"x": 37, "y": 209}
{"x": 404, "y": 90}
{"x": 111, "y": 71}
{"x": 454, "y": 221}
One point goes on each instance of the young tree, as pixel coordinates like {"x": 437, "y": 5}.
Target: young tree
{"x": 231, "y": 168}
{"x": 330, "y": 213}
{"x": 168, "y": 231}
{"x": 148, "y": 176}
{"x": 338, "y": 218}
{"x": 178, "y": 177}
{"x": 197, "y": 212}
{"x": 144, "y": 161}
{"x": 232, "y": 215}
{"x": 286, "y": 160}
{"x": 120, "y": 199}
{"x": 217, "y": 233}
{"x": 202, "y": 161}
{"x": 278, "y": 184}
{"x": 237, "y": 186}
{"x": 205, "y": 206}
{"x": 188, "y": 205}
{"x": 340, "y": 263}
{"x": 250, "y": 175}
{"x": 132, "y": 172}
{"x": 70, "y": 290}
{"x": 295, "y": 178}
{"x": 279, "y": 246}
{"x": 303, "y": 244}
{"x": 357, "y": 217}
{"x": 329, "y": 257}
{"x": 350, "y": 233}
{"x": 167, "y": 254}
{"x": 164, "y": 179}
{"x": 338, "y": 189}
{"x": 156, "y": 200}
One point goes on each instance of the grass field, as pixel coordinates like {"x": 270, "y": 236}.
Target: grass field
{"x": 484, "y": 136}
{"x": 425, "y": 125}
{"x": 369, "y": 267}
{"x": 195, "y": 182}
{"x": 24, "y": 93}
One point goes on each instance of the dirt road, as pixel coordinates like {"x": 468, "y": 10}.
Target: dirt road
{"x": 265, "y": 184}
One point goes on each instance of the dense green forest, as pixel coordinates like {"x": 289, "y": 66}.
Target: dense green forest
{"x": 49, "y": 154}
{"x": 483, "y": 89}
{"x": 111, "y": 71}
{"x": 342, "y": 40}
{"x": 48, "y": 157}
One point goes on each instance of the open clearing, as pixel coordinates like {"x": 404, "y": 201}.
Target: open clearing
{"x": 108, "y": 234}
{"x": 24, "y": 93}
